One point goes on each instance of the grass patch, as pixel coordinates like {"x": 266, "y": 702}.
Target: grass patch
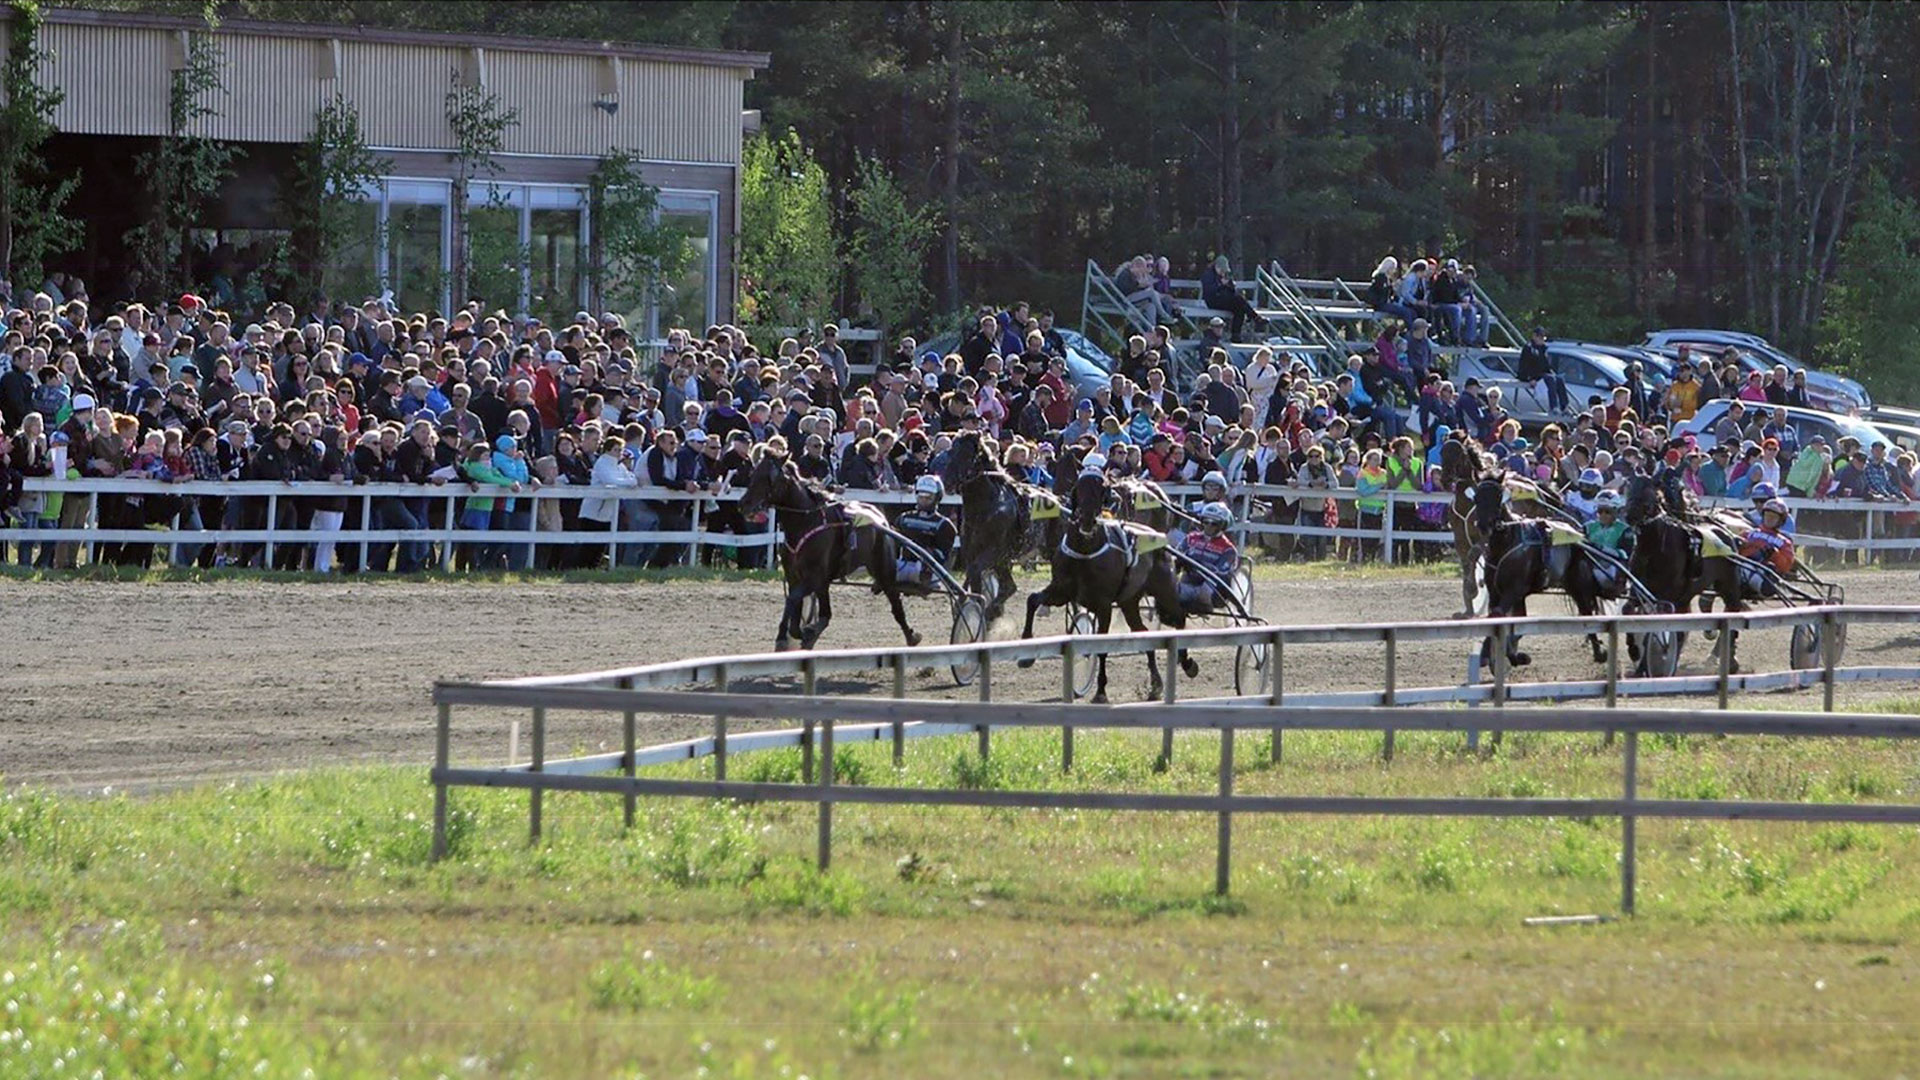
{"x": 961, "y": 942}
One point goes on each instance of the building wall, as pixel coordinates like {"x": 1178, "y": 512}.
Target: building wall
{"x": 116, "y": 79}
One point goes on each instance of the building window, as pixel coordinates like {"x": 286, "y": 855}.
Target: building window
{"x": 690, "y": 299}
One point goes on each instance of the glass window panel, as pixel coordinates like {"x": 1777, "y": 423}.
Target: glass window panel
{"x": 494, "y": 256}
{"x": 684, "y": 300}
{"x": 555, "y": 261}
{"x": 354, "y": 272}
{"x": 415, "y": 268}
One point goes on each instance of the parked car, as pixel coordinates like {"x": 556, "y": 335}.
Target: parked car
{"x": 1806, "y": 423}
{"x": 1088, "y": 366}
{"x": 1588, "y": 372}
{"x": 1833, "y": 393}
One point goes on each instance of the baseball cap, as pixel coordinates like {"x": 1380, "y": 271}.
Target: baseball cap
{"x": 82, "y": 402}
{"x": 696, "y": 436}
{"x": 179, "y": 388}
{"x": 555, "y": 356}
{"x": 1083, "y": 403}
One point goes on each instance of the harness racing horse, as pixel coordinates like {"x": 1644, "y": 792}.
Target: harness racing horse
{"x": 1676, "y": 561}
{"x": 996, "y": 514}
{"x": 1100, "y": 563}
{"x": 1463, "y": 465}
{"x": 1527, "y": 556}
{"x": 825, "y": 540}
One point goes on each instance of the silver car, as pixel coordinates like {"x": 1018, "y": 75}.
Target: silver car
{"x": 1806, "y": 423}
{"x": 1589, "y": 374}
{"x": 1827, "y": 391}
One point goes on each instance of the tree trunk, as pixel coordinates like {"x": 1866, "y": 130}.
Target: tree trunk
{"x": 1230, "y": 149}
{"x": 1740, "y": 196}
{"x": 951, "y": 181}
{"x": 1649, "y": 167}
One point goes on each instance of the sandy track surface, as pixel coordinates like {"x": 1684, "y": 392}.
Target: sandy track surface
{"x": 127, "y": 685}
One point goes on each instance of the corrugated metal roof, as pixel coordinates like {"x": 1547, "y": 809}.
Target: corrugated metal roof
{"x": 116, "y": 79}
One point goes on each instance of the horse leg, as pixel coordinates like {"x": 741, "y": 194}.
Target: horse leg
{"x": 900, "y": 614}
{"x": 1514, "y": 655}
{"x": 1166, "y": 599}
{"x": 789, "y": 619}
{"x": 1054, "y": 594}
{"x": 810, "y": 633}
{"x": 1586, "y": 600}
{"x": 1102, "y": 621}
{"x": 1136, "y": 622}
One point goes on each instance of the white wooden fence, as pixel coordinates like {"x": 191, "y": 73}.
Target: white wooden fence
{"x": 1871, "y": 524}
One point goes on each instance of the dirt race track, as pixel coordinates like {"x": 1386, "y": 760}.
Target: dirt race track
{"x": 134, "y": 685}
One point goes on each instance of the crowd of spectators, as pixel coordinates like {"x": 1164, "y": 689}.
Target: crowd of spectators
{"x": 501, "y": 408}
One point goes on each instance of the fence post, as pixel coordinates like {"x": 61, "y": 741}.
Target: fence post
{"x": 1829, "y": 657}
{"x": 448, "y": 527}
{"x": 693, "y": 549}
{"x": 806, "y": 729}
{"x": 613, "y": 531}
{"x": 1867, "y": 557}
{"x": 986, "y": 698}
{"x": 1627, "y": 824}
{"x": 366, "y": 523}
{"x": 720, "y": 727}
{"x": 441, "y": 738}
{"x": 899, "y": 693}
{"x": 627, "y": 762}
{"x": 273, "y": 521}
{"x": 1169, "y": 694}
{"x": 1066, "y": 698}
{"x": 1223, "y": 868}
{"x": 1390, "y": 697}
{"x": 1277, "y": 660}
{"x": 825, "y": 858}
{"x": 1386, "y": 529}
{"x": 539, "y": 764}
{"x": 1726, "y": 659}
{"x": 92, "y": 522}
{"x": 1613, "y": 670}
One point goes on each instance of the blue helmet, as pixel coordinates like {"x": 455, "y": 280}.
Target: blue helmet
{"x": 1591, "y": 478}
{"x": 1763, "y": 490}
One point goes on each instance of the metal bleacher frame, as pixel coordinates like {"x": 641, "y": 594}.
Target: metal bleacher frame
{"x": 1320, "y": 319}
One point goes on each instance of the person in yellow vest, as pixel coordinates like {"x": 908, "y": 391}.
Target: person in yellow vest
{"x": 1403, "y": 474}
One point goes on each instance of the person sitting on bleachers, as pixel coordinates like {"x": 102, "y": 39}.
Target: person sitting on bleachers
{"x": 1218, "y": 291}
{"x": 1135, "y": 285}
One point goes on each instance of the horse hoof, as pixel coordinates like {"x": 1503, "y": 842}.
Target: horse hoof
{"x": 913, "y": 638}
{"x": 1190, "y": 667}
{"x": 1024, "y": 664}
{"x": 1099, "y": 698}
{"x": 1521, "y": 659}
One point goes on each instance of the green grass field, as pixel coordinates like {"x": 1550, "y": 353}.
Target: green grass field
{"x": 265, "y": 929}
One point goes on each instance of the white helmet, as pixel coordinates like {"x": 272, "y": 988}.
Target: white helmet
{"x": 1093, "y": 465}
{"x": 1215, "y": 477}
{"x": 1216, "y": 514}
{"x": 1609, "y": 500}
{"x": 929, "y": 484}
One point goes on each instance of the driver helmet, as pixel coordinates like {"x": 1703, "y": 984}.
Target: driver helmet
{"x": 1609, "y": 500}
{"x": 1774, "y": 506}
{"x": 1590, "y": 478}
{"x": 1763, "y": 491}
{"x": 1216, "y": 514}
{"x": 1216, "y": 478}
{"x": 1093, "y": 465}
{"x": 929, "y": 484}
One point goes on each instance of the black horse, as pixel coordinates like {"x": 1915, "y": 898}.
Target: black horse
{"x": 1668, "y": 558}
{"x": 1522, "y": 560}
{"x": 825, "y": 540}
{"x": 1463, "y": 466}
{"x": 996, "y": 517}
{"x": 1099, "y": 564}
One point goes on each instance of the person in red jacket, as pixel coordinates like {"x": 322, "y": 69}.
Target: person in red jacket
{"x": 546, "y": 392}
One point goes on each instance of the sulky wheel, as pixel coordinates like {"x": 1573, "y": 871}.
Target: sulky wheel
{"x": 1080, "y": 623}
{"x": 1252, "y": 671}
{"x": 1806, "y": 651}
{"x": 1660, "y": 651}
{"x": 969, "y": 626}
